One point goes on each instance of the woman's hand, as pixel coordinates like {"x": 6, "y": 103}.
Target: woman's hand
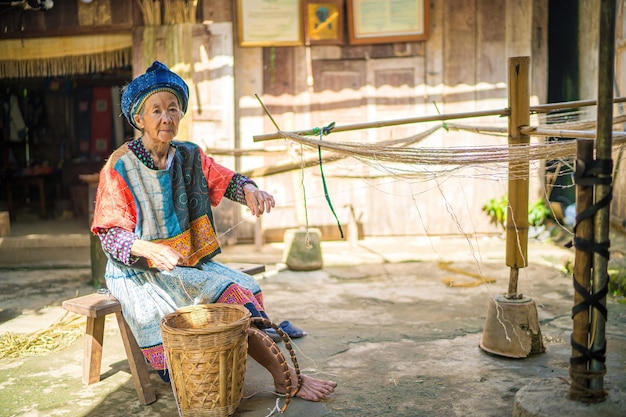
{"x": 162, "y": 256}
{"x": 258, "y": 201}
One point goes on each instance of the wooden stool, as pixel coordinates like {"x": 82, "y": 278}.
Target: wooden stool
{"x": 96, "y": 307}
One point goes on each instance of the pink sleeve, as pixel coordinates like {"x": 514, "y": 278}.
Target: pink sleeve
{"x": 218, "y": 177}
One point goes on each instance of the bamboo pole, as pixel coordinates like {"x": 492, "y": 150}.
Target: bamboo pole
{"x": 387, "y": 123}
{"x": 517, "y": 211}
{"x": 544, "y": 108}
{"x": 603, "y": 152}
{"x": 561, "y": 133}
{"x": 582, "y": 272}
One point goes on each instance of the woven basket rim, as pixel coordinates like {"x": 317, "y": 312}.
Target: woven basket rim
{"x": 244, "y": 320}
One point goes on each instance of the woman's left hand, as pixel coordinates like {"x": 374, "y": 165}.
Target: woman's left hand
{"x": 258, "y": 201}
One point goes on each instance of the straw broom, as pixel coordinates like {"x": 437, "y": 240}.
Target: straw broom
{"x": 151, "y": 11}
{"x": 179, "y": 11}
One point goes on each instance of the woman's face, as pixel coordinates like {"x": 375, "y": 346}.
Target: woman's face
{"x": 159, "y": 117}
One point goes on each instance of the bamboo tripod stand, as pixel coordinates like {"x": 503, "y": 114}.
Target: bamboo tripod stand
{"x": 511, "y": 327}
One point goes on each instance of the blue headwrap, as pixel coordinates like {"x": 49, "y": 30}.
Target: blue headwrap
{"x": 157, "y": 78}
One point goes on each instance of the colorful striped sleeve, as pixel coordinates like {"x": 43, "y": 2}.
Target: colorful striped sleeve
{"x": 234, "y": 191}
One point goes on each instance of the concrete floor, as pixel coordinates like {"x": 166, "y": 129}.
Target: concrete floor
{"x": 380, "y": 322}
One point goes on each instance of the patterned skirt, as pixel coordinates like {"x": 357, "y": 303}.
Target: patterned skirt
{"x": 147, "y": 296}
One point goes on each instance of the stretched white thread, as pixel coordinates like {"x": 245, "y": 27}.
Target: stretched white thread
{"x": 479, "y": 259}
{"x": 460, "y": 228}
{"x": 247, "y": 397}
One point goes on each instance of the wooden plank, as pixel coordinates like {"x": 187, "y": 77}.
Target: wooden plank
{"x": 122, "y": 11}
{"x": 434, "y": 59}
{"x": 336, "y": 90}
{"x": 96, "y": 13}
{"x": 459, "y": 46}
{"x": 491, "y": 53}
{"x": 278, "y": 76}
{"x": 518, "y": 23}
{"x": 137, "y": 363}
{"x": 93, "y": 305}
{"x": 92, "y": 357}
{"x": 250, "y": 269}
{"x": 218, "y": 11}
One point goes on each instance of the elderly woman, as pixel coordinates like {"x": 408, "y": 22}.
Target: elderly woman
{"x": 153, "y": 216}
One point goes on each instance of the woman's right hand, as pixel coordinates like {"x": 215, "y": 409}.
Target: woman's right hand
{"x": 162, "y": 256}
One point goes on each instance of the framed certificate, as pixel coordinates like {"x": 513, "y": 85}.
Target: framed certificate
{"x": 269, "y": 22}
{"x": 323, "y": 22}
{"x": 386, "y": 21}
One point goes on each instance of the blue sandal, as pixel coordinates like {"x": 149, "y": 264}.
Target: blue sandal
{"x": 292, "y": 331}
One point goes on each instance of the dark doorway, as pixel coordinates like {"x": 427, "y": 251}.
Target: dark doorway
{"x": 563, "y": 85}
{"x": 563, "y": 51}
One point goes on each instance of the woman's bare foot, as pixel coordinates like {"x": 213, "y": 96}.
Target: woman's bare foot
{"x": 312, "y": 389}
{"x": 264, "y": 351}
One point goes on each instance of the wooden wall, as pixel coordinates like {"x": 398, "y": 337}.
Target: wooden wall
{"x": 460, "y": 68}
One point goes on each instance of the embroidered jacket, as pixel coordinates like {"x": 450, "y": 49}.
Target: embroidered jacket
{"x": 170, "y": 206}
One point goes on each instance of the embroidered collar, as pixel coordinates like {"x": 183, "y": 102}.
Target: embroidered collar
{"x": 136, "y": 146}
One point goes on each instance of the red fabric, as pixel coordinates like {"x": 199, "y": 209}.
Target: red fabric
{"x": 218, "y": 177}
{"x": 115, "y": 205}
{"x": 101, "y": 122}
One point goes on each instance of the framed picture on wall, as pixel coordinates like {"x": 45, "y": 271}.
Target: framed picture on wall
{"x": 386, "y": 21}
{"x": 269, "y": 22}
{"x": 323, "y": 22}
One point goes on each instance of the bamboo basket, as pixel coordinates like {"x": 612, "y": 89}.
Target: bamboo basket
{"x": 206, "y": 347}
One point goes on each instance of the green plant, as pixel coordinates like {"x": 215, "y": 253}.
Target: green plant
{"x": 617, "y": 283}
{"x": 539, "y": 212}
{"x": 496, "y": 209}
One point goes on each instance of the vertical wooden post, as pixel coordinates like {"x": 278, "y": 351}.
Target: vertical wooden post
{"x": 517, "y": 211}
{"x": 582, "y": 270}
{"x": 604, "y": 143}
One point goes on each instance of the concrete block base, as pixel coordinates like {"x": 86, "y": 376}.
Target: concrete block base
{"x": 512, "y": 328}
{"x": 303, "y": 251}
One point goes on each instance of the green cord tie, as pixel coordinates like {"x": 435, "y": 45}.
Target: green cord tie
{"x": 325, "y": 131}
